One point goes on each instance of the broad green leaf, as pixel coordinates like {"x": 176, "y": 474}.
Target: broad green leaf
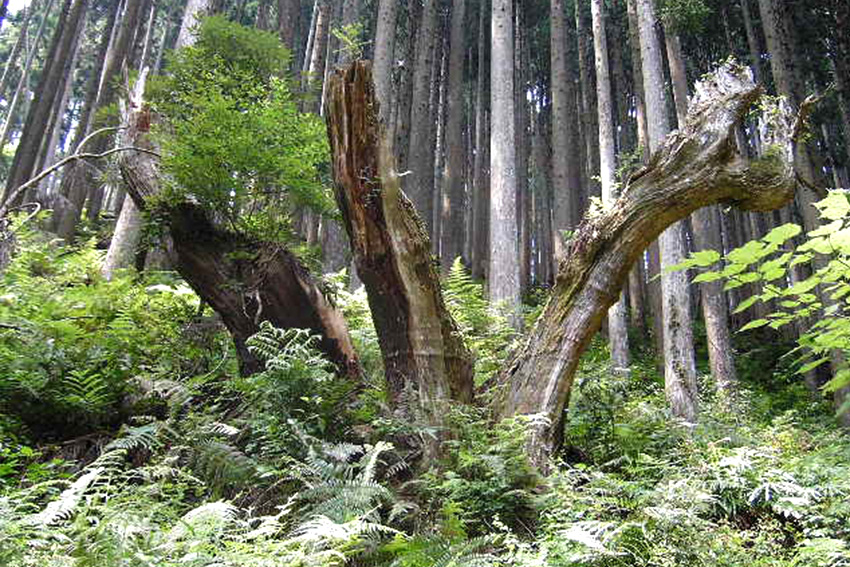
{"x": 826, "y": 229}
{"x": 820, "y": 244}
{"x": 746, "y": 304}
{"x": 742, "y": 280}
{"x": 750, "y": 252}
{"x": 705, "y": 258}
{"x": 834, "y": 206}
{"x": 708, "y": 277}
{"x": 812, "y": 365}
{"x": 800, "y": 259}
{"x": 782, "y": 233}
{"x": 754, "y": 325}
{"x": 840, "y": 380}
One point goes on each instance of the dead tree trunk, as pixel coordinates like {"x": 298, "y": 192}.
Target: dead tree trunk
{"x": 425, "y": 359}
{"x": 697, "y": 166}
{"x": 244, "y": 280}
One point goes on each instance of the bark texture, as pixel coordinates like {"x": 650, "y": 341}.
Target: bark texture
{"x": 503, "y": 276}
{"x": 697, "y": 166}
{"x": 618, "y": 332}
{"x": 680, "y": 379}
{"x": 425, "y": 359}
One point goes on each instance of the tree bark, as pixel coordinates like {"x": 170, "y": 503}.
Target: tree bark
{"x": 679, "y": 362}
{"x": 32, "y": 138}
{"x": 566, "y": 179}
{"x": 706, "y": 236}
{"x": 696, "y": 166}
{"x": 503, "y": 277}
{"x": 425, "y": 359}
{"x": 618, "y": 332}
{"x": 72, "y": 191}
{"x": 419, "y": 183}
{"x": 453, "y": 175}
{"x": 12, "y": 61}
{"x": 481, "y": 177}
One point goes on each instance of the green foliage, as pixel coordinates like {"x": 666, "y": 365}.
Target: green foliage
{"x": 487, "y": 477}
{"x": 73, "y": 346}
{"x": 351, "y": 40}
{"x": 821, "y": 295}
{"x": 686, "y": 16}
{"x": 233, "y": 139}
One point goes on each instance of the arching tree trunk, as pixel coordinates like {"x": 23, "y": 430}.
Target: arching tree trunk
{"x": 696, "y": 166}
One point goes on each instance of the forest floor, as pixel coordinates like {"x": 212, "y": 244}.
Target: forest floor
{"x": 127, "y": 438}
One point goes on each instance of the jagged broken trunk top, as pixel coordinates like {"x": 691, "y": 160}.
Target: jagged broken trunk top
{"x": 425, "y": 359}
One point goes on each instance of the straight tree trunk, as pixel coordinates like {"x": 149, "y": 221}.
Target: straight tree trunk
{"x": 72, "y": 191}
{"x": 679, "y": 365}
{"x": 419, "y": 183}
{"x": 24, "y": 79}
{"x": 618, "y": 332}
{"x": 119, "y": 54}
{"x": 481, "y": 177}
{"x": 566, "y": 180}
{"x": 503, "y": 274}
{"x": 453, "y": 175}
{"x": 38, "y": 117}
{"x": 706, "y": 233}
{"x": 288, "y": 12}
{"x": 383, "y": 58}
{"x": 12, "y": 61}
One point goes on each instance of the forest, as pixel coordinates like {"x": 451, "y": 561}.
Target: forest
{"x": 415, "y": 283}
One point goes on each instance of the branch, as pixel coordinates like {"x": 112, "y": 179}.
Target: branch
{"x": 62, "y": 163}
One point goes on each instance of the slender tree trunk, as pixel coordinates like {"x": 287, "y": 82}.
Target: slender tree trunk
{"x": 288, "y": 12}
{"x": 383, "y": 58}
{"x": 119, "y": 52}
{"x": 418, "y": 184}
{"x": 125, "y": 240}
{"x": 679, "y": 366}
{"x": 69, "y": 207}
{"x": 481, "y": 177}
{"x": 38, "y": 117}
{"x": 504, "y": 255}
{"x": 566, "y": 178}
{"x": 706, "y": 233}
{"x": 12, "y": 61}
{"x": 453, "y": 175}
{"x": 618, "y": 333}
{"x": 195, "y": 9}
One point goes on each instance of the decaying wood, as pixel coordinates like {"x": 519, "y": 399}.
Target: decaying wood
{"x": 425, "y": 359}
{"x": 697, "y": 166}
{"x": 244, "y": 280}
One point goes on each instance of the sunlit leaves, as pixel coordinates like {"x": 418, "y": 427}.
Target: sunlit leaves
{"x": 816, "y": 296}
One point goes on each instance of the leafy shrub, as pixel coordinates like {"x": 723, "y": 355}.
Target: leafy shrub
{"x": 233, "y": 139}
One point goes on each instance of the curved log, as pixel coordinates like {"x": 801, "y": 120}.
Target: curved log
{"x": 699, "y": 165}
{"x": 425, "y": 359}
{"x": 246, "y": 281}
